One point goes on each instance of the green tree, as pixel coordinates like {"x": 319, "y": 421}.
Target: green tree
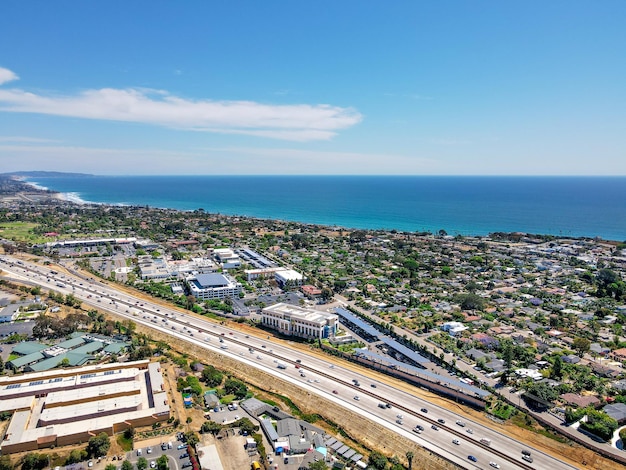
{"x": 470, "y": 301}
{"x": 76, "y": 455}
{"x": 235, "y": 387}
{"x": 191, "y": 438}
{"x": 142, "y": 463}
{"x": 110, "y": 467}
{"x": 557, "y": 368}
{"x": 35, "y": 461}
{"x": 599, "y": 423}
{"x": 409, "y": 456}
{"x": 543, "y": 391}
{"x": 162, "y": 463}
{"x": 319, "y": 465}
{"x": 127, "y": 465}
{"x": 378, "y": 461}
{"x": 5, "y": 463}
{"x": 210, "y": 427}
{"x": 581, "y": 345}
{"x": 99, "y": 445}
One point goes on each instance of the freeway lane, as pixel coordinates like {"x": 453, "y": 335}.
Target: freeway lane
{"x": 320, "y": 376}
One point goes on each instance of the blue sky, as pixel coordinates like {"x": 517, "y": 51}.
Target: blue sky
{"x": 325, "y": 87}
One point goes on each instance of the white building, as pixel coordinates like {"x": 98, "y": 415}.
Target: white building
{"x": 453, "y": 327}
{"x": 297, "y": 321}
{"x": 288, "y": 276}
{"x": 213, "y": 286}
{"x": 68, "y": 406}
{"x": 227, "y": 258}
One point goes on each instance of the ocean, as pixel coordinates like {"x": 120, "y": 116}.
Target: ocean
{"x": 465, "y": 205}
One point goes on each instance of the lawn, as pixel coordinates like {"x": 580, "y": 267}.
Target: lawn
{"x": 20, "y": 232}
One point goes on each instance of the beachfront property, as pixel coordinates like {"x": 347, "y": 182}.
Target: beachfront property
{"x": 213, "y": 286}
{"x": 69, "y": 406}
{"x": 306, "y": 323}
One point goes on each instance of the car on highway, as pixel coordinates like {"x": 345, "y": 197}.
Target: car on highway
{"x": 460, "y": 423}
{"x": 356, "y": 397}
{"x": 494, "y": 465}
{"x": 373, "y": 385}
{"x": 435, "y": 427}
{"x": 527, "y": 458}
{"x": 456, "y": 442}
{"x": 472, "y": 458}
{"x": 525, "y": 452}
{"x": 469, "y": 431}
{"x": 399, "y": 421}
{"x": 441, "y": 421}
{"x": 424, "y": 410}
{"x": 335, "y": 392}
{"x": 418, "y": 429}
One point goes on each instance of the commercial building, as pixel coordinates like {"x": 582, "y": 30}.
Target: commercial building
{"x": 288, "y": 277}
{"x": 297, "y": 321}
{"x": 69, "y": 406}
{"x": 213, "y": 286}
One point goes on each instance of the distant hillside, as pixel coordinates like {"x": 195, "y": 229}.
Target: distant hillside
{"x": 46, "y": 174}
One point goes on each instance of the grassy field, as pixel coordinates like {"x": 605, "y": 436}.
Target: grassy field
{"x": 20, "y": 232}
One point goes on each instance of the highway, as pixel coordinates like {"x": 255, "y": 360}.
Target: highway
{"x": 444, "y": 432}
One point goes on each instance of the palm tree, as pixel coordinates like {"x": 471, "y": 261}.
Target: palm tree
{"x": 409, "y": 457}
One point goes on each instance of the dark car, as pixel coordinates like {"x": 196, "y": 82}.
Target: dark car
{"x": 187, "y": 464}
{"x": 435, "y": 427}
{"x": 184, "y": 456}
{"x": 442, "y": 421}
{"x": 472, "y": 458}
{"x": 424, "y": 410}
{"x": 526, "y": 452}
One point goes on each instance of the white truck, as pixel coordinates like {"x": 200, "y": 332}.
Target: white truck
{"x": 281, "y": 365}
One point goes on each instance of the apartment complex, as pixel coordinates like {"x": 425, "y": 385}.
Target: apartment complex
{"x": 297, "y": 321}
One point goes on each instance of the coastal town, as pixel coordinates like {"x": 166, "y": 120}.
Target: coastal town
{"x": 526, "y": 328}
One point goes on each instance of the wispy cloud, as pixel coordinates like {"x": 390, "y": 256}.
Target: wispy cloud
{"x": 22, "y": 139}
{"x": 297, "y": 122}
{"x": 7, "y": 75}
{"x": 214, "y": 160}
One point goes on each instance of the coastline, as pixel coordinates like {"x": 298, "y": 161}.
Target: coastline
{"x": 411, "y": 205}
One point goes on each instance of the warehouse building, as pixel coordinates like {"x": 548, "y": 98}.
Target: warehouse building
{"x": 69, "y": 406}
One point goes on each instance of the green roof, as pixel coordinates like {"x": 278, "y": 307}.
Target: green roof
{"x": 52, "y": 362}
{"x": 29, "y": 347}
{"x": 71, "y": 343}
{"x": 23, "y": 360}
{"x": 115, "y": 348}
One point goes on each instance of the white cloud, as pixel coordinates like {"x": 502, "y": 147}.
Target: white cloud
{"x": 298, "y": 122}
{"x": 7, "y": 75}
{"x": 17, "y": 139}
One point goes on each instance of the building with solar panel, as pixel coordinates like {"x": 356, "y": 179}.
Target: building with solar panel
{"x": 69, "y": 406}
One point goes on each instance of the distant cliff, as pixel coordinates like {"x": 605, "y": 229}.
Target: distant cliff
{"x": 44, "y": 174}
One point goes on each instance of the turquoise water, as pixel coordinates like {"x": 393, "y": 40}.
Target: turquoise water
{"x": 565, "y": 206}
